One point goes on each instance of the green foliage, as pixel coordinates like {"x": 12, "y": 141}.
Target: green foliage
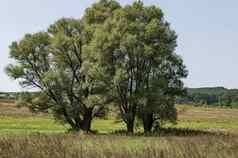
{"x": 100, "y": 11}
{"x": 52, "y": 62}
{"x": 207, "y": 90}
{"x": 136, "y": 45}
{"x": 214, "y": 96}
{"x": 125, "y": 55}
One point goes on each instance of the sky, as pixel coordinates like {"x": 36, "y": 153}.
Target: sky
{"x": 207, "y": 34}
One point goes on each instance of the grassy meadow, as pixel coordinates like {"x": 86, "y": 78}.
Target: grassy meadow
{"x": 200, "y": 132}
{"x": 21, "y": 120}
{"x": 108, "y": 146}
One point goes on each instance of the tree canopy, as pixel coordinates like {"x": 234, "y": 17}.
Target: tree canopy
{"x": 211, "y": 96}
{"x": 138, "y": 49}
{"x": 120, "y": 54}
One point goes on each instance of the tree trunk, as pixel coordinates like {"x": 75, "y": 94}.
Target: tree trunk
{"x": 148, "y": 122}
{"x": 130, "y": 119}
{"x": 128, "y": 116}
{"x": 130, "y": 125}
{"x": 85, "y": 124}
{"x": 74, "y": 126}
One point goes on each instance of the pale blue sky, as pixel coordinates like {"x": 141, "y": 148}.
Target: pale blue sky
{"x": 207, "y": 29}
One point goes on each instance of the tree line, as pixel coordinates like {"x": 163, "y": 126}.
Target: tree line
{"x": 213, "y": 96}
{"x": 120, "y": 56}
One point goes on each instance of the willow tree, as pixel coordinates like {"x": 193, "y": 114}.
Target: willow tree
{"x": 53, "y": 63}
{"x": 137, "y": 48}
{"x": 58, "y": 64}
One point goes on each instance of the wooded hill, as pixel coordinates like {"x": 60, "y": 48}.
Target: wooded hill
{"x": 215, "y": 96}
{"x": 9, "y": 95}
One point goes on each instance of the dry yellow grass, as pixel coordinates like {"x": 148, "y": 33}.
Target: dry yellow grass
{"x": 196, "y": 142}
{"x": 191, "y": 112}
{"x": 108, "y": 146}
{"x": 9, "y": 108}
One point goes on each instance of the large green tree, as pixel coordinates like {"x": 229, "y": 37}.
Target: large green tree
{"x": 137, "y": 48}
{"x": 113, "y": 53}
{"x": 58, "y": 64}
{"x": 53, "y": 62}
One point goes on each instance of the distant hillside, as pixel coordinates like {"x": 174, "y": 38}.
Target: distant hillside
{"x": 217, "y": 96}
{"x": 212, "y": 96}
{"x": 208, "y": 90}
{"x": 8, "y": 95}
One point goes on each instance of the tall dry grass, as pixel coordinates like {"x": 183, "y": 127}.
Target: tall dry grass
{"x": 112, "y": 146}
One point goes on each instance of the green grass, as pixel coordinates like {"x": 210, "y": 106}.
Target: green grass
{"x": 107, "y": 126}
{"x": 188, "y": 117}
{"x": 15, "y": 125}
{"x": 23, "y": 135}
{"x": 12, "y": 124}
{"x": 206, "y": 124}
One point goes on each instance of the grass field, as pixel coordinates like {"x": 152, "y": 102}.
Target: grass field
{"x": 21, "y": 120}
{"x": 200, "y": 133}
{"x": 109, "y": 146}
